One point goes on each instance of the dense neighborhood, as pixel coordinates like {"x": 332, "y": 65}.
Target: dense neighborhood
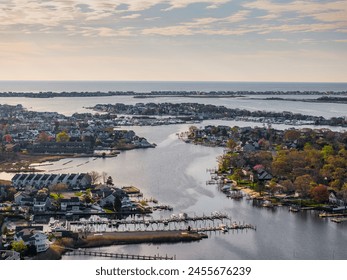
{"x": 306, "y": 165}
{"x": 31, "y": 200}
{"x": 198, "y": 112}
{"x": 31, "y": 133}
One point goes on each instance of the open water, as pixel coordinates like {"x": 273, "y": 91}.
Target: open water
{"x": 175, "y": 174}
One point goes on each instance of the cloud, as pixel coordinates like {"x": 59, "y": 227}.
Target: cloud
{"x": 331, "y": 11}
{"x": 203, "y": 26}
{"x": 277, "y": 40}
{"x": 178, "y": 4}
{"x": 132, "y": 16}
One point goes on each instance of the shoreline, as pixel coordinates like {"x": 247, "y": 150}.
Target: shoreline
{"x": 61, "y": 246}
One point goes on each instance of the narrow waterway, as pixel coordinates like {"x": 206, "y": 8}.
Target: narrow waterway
{"x": 175, "y": 174}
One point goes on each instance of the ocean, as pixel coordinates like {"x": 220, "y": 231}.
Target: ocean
{"x": 147, "y": 86}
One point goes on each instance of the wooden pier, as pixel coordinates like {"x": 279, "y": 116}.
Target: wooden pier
{"x": 80, "y": 252}
{"x": 339, "y": 220}
{"x": 332, "y": 215}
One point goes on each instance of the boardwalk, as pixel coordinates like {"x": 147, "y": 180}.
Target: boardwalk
{"x": 80, "y": 252}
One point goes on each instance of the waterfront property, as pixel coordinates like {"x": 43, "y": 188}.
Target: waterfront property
{"x": 39, "y": 181}
{"x": 31, "y": 236}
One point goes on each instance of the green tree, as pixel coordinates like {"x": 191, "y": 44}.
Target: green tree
{"x": 19, "y": 246}
{"x": 109, "y": 181}
{"x": 327, "y": 151}
{"x": 117, "y": 205}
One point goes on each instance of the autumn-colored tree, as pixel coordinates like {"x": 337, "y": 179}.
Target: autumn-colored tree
{"x": 231, "y": 144}
{"x": 291, "y": 135}
{"x": 62, "y": 137}
{"x": 288, "y": 185}
{"x": 60, "y": 187}
{"x": 320, "y": 193}
{"x": 343, "y": 194}
{"x": 7, "y": 138}
{"x": 302, "y": 184}
{"x": 43, "y": 137}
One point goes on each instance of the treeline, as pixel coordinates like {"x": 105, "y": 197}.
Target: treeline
{"x": 299, "y": 160}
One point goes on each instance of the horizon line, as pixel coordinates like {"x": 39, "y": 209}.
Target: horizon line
{"x": 178, "y": 81}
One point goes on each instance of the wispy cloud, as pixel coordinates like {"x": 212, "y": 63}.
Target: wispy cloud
{"x": 132, "y": 16}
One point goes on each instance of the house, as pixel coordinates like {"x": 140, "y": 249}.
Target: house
{"x": 108, "y": 200}
{"x": 71, "y": 204}
{"x": 248, "y": 148}
{"x": 41, "y": 203}
{"x": 39, "y": 181}
{"x": 33, "y": 237}
{"x": 334, "y": 200}
{"x": 18, "y": 197}
{"x": 263, "y": 175}
{"x": 110, "y": 196}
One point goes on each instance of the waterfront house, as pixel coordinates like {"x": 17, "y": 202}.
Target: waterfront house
{"x": 33, "y": 237}
{"x": 18, "y": 197}
{"x": 39, "y": 181}
{"x": 71, "y": 204}
{"x": 41, "y": 203}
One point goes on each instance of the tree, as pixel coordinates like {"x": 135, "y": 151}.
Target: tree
{"x": 192, "y": 131}
{"x": 104, "y": 177}
{"x": 237, "y": 174}
{"x": 94, "y": 177}
{"x": 291, "y": 135}
{"x": 327, "y": 151}
{"x": 302, "y": 184}
{"x": 19, "y": 246}
{"x": 62, "y": 137}
{"x": 320, "y": 193}
{"x": 117, "y": 205}
{"x": 343, "y": 194}
{"x": 109, "y": 181}
{"x": 60, "y": 187}
{"x": 43, "y": 137}
{"x": 288, "y": 185}
{"x": 231, "y": 144}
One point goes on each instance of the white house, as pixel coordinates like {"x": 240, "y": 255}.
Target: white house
{"x": 41, "y": 204}
{"x": 33, "y": 237}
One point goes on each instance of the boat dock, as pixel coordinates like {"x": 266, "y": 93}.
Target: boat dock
{"x": 339, "y": 220}
{"x": 172, "y": 219}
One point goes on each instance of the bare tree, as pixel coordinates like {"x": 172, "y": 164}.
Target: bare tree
{"x": 94, "y": 176}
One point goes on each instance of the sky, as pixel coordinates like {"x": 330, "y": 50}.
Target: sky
{"x": 174, "y": 40}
